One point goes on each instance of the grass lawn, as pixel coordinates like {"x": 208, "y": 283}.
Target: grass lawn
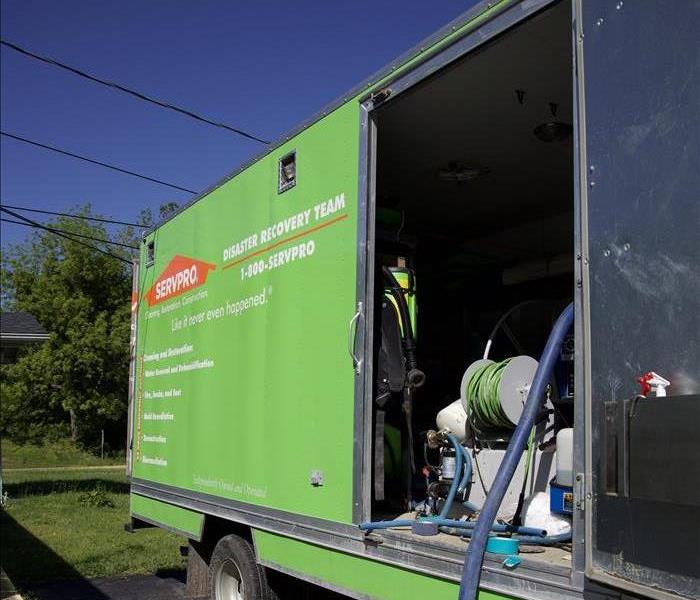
{"x": 47, "y": 532}
{"x": 54, "y": 454}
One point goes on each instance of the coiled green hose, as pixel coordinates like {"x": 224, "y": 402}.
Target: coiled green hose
{"x": 485, "y": 410}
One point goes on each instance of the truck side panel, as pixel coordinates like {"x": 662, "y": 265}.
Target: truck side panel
{"x": 244, "y": 384}
{"x": 180, "y": 520}
{"x": 353, "y": 575}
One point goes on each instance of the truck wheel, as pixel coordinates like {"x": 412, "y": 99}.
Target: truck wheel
{"x": 234, "y": 573}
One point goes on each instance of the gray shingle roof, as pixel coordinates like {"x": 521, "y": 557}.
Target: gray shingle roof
{"x": 19, "y": 323}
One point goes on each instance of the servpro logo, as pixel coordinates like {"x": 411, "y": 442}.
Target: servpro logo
{"x": 181, "y": 275}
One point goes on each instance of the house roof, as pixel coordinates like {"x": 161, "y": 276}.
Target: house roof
{"x": 21, "y": 326}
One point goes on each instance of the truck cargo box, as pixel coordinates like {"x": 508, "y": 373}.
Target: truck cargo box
{"x": 335, "y": 348}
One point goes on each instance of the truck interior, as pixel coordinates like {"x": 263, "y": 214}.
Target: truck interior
{"x": 474, "y": 222}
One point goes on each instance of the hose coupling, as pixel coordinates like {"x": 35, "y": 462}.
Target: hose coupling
{"x": 437, "y": 439}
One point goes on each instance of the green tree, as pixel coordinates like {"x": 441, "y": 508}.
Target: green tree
{"x": 78, "y": 380}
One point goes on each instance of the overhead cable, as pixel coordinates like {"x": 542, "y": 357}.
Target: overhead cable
{"x": 95, "y": 162}
{"x": 63, "y": 235}
{"x": 72, "y": 233}
{"x": 126, "y": 90}
{"x": 72, "y": 216}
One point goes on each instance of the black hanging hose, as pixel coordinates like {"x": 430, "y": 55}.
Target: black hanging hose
{"x": 414, "y": 376}
{"x": 469, "y": 585}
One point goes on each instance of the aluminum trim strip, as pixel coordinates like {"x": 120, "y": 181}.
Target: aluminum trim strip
{"x": 362, "y": 293}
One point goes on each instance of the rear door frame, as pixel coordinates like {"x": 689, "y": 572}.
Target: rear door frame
{"x": 589, "y": 28}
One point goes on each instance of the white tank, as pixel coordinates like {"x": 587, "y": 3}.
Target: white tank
{"x": 454, "y": 418}
{"x": 565, "y": 457}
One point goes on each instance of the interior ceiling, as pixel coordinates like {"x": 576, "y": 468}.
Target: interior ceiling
{"x": 470, "y": 114}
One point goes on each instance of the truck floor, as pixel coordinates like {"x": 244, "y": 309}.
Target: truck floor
{"x": 556, "y": 558}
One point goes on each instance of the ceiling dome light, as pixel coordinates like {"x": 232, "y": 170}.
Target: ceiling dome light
{"x": 553, "y": 131}
{"x": 461, "y": 173}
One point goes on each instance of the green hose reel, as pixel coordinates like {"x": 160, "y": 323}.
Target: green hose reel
{"x": 493, "y": 394}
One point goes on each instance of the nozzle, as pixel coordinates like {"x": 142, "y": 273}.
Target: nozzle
{"x": 654, "y": 383}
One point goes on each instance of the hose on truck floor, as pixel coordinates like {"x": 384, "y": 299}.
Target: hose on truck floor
{"x": 464, "y": 527}
{"x": 471, "y": 574}
{"x": 525, "y": 535}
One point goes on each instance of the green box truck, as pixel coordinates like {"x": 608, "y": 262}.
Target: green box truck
{"x": 347, "y": 364}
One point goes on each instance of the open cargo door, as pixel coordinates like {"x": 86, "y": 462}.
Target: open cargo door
{"x": 638, "y": 66}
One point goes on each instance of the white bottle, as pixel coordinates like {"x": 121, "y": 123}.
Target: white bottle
{"x": 565, "y": 457}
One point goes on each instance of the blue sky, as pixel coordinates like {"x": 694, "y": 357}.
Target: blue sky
{"x": 261, "y": 66}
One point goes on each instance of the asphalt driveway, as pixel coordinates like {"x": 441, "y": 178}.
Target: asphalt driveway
{"x": 168, "y": 585}
{"x": 164, "y": 585}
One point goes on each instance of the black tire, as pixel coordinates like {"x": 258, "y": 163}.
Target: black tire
{"x": 233, "y": 568}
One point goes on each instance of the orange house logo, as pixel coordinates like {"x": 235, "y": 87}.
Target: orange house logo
{"x": 180, "y": 276}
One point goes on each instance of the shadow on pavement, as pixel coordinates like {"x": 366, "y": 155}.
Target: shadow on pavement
{"x": 24, "y": 553}
{"x": 164, "y": 585}
{"x": 173, "y": 574}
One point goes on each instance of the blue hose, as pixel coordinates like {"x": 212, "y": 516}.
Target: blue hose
{"x": 370, "y": 525}
{"x": 495, "y": 527}
{"x": 467, "y": 526}
{"x": 548, "y": 540}
{"x": 467, "y": 477}
{"x": 521, "y": 535}
{"x": 469, "y": 585}
{"x": 459, "y": 459}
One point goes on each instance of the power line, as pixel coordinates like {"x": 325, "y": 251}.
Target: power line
{"x": 82, "y": 235}
{"x": 62, "y": 214}
{"x": 63, "y": 235}
{"x": 131, "y": 92}
{"x": 96, "y": 162}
